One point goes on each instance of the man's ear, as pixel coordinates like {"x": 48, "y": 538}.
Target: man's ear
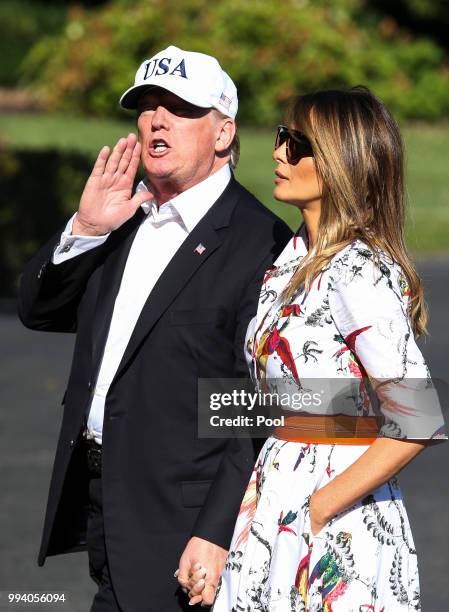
{"x": 226, "y": 133}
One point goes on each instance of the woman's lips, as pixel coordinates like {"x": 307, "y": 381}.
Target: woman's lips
{"x": 279, "y": 177}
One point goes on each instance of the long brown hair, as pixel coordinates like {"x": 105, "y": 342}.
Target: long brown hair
{"x": 359, "y": 157}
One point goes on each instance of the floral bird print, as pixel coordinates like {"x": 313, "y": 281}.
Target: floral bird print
{"x": 284, "y": 522}
{"x": 350, "y": 341}
{"x": 354, "y": 365}
{"x": 247, "y": 508}
{"x": 291, "y": 310}
{"x": 302, "y": 573}
{"x": 308, "y": 351}
{"x": 403, "y": 285}
{"x": 273, "y": 342}
{"x": 334, "y": 583}
{"x": 304, "y": 450}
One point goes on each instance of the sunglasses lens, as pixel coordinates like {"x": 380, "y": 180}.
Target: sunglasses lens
{"x": 281, "y": 137}
{"x": 296, "y": 147}
{"x": 297, "y": 150}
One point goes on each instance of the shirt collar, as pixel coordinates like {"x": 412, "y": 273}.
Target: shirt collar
{"x": 295, "y": 249}
{"x": 190, "y": 205}
{"x": 301, "y": 240}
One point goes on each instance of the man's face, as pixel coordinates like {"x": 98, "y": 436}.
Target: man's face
{"x": 178, "y": 140}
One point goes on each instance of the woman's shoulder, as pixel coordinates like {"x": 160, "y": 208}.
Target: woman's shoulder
{"x": 359, "y": 263}
{"x": 294, "y": 250}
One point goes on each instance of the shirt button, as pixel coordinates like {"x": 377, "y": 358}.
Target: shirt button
{"x": 72, "y": 443}
{"x": 89, "y": 384}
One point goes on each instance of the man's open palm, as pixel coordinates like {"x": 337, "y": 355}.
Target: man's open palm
{"x": 106, "y": 202}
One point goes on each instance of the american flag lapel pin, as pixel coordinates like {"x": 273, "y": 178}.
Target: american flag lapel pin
{"x": 200, "y": 249}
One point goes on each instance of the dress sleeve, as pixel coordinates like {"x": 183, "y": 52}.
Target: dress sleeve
{"x": 368, "y": 300}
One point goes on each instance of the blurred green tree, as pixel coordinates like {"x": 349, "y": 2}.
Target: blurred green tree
{"x": 272, "y": 50}
{"x": 23, "y": 22}
{"x": 422, "y": 17}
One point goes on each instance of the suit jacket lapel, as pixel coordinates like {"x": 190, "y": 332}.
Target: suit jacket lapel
{"x": 181, "y": 268}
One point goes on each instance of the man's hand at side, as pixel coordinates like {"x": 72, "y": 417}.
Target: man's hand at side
{"x": 201, "y": 561}
{"x": 106, "y": 202}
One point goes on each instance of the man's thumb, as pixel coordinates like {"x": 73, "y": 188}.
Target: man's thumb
{"x": 140, "y": 197}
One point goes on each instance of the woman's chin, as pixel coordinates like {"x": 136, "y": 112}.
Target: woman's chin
{"x": 278, "y": 193}
{"x": 281, "y": 195}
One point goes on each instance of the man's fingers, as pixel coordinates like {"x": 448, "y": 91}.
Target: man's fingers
{"x": 183, "y": 580}
{"x": 184, "y": 566}
{"x": 197, "y": 588}
{"x": 116, "y": 156}
{"x": 100, "y": 162}
{"x": 196, "y": 576}
{"x": 208, "y": 594}
{"x": 127, "y": 154}
{"x": 134, "y": 161}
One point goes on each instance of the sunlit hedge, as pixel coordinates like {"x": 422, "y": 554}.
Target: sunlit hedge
{"x": 272, "y": 50}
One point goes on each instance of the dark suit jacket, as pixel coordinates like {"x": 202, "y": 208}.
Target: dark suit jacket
{"x": 161, "y": 484}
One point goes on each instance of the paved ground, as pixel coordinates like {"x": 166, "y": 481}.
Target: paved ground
{"x": 34, "y": 368}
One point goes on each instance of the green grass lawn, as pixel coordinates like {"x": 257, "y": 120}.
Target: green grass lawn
{"x": 427, "y": 165}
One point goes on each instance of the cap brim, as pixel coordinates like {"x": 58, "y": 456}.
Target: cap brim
{"x": 131, "y": 96}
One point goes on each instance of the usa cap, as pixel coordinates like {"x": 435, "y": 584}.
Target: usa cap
{"x": 195, "y": 77}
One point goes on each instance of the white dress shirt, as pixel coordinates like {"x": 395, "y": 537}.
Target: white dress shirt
{"x": 159, "y": 236}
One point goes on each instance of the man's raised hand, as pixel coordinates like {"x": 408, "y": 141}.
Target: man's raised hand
{"x": 106, "y": 202}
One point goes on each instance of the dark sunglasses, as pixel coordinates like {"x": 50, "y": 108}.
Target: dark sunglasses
{"x": 297, "y": 144}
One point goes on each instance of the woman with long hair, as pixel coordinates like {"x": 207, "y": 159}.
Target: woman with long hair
{"x": 323, "y": 525}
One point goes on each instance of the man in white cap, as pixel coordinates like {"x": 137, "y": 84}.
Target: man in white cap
{"x": 159, "y": 285}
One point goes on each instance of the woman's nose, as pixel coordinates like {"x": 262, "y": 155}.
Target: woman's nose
{"x": 280, "y": 154}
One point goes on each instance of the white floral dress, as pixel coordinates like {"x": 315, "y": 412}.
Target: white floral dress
{"x": 352, "y": 323}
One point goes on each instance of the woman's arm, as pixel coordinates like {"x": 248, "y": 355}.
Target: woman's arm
{"x": 383, "y": 460}
{"x": 372, "y": 301}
